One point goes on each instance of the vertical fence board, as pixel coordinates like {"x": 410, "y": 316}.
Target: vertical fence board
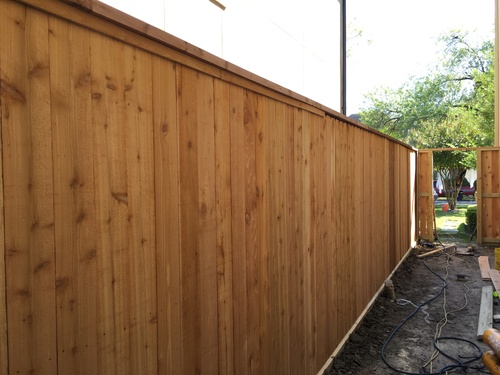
{"x": 224, "y": 235}
{"x": 259, "y": 261}
{"x": 12, "y": 57}
{"x": 277, "y": 218}
{"x": 4, "y": 360}
{"x": 189, "y": 225}
{"x": 296, "y": 248}
{"x": 321, "y": 252}
{"x": 308, "y": 246}
{"x": 207, "y": 293}
{"x": 290, "y": 245}
{"x": 73, "y": 198}
{"x": 242, "y": 162}
{"x": 425, "y": 196}
{"x": 346, "y": 269}
{"x": 198, "y": 232}
{"x": 142, "y": 324}
{"x": 489, "y": 193}
{"x": 166, "y": 165}
{"x": 111, "y": 200}
{"x": 29, "y": 216}
{"x": 331, "y": 208}
{"x": 368, "y": 226}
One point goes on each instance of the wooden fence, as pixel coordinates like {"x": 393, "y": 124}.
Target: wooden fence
{"x": 163, "y": 214}
{"x": 487, "y": 193}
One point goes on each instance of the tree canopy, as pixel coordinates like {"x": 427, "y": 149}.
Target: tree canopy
{"x": 452, "y": 106}
{"x": 459, "y": 92}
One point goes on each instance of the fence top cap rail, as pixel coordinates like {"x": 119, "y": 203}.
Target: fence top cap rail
{"x": 126, "y": 21}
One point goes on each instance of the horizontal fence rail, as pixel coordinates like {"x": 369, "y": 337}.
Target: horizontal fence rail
{"x": 165, "y": 215}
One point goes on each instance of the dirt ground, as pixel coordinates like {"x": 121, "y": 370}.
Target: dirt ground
{"x": 452, "y": 315}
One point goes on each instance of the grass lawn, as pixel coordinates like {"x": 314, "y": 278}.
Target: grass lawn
{"x": 447, "y": 221}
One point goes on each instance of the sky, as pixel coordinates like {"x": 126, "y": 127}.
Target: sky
{"x": 399, "y": 39}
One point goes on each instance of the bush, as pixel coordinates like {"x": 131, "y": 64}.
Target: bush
{"x": 471, "y": 218}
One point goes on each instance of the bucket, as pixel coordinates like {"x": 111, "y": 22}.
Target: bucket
{"x": 445, "y": 207}
{"x": 497, "y": 258}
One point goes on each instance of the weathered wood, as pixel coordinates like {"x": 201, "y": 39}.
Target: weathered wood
{"x": 485, "y": 311}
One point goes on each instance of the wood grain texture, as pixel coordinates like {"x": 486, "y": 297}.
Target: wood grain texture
{"x": 242, "y": 154}
{"x": 425, "y": 196}
{"x": 484, "y": 266}
{"x": 73, "y": 198}
{"x": 488, "y": 196}
{"x": 29, "y": 194}
{"x": 167, "y": 200}
{"x": 224, "y": 223}
{"x": 190, "y": 220}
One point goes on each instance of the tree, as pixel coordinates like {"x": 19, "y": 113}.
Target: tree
{"x": 464, "y": 81}
{"x": 452, "y": 165}
{"x": 451, "y": 107}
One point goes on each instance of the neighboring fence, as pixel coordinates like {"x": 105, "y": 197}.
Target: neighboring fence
{"x": 426, "y": 227}
{"x": 167, "y": 215}
{"x": 487, "y": 193}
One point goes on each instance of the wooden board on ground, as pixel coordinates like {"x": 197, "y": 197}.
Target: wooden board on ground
{"x": 495, "y": 278}
{"x": 484, "y": 266}
{"x": 465, "y": 251}
{"x": 485, "y": 311}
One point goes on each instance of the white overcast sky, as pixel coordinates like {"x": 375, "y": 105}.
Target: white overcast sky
{"x": 403, "y": 39}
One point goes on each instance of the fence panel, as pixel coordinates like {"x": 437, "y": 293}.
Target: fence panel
{"x": 165, "y": 214}
{"x": 488, "y": 196}
{"x": 425, "y": 196}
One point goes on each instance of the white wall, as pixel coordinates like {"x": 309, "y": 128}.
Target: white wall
{"x": 294, "y": 43}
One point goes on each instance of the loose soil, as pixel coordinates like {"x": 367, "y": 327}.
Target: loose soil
{"x": 453, "y": 313}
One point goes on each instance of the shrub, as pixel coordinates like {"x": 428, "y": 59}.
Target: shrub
{"x": 471, "y": 217}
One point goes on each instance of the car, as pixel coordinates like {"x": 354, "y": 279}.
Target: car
{"x": 465, "y": 191}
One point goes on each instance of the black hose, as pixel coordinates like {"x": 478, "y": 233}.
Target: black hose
{"x": 458, "y": 363}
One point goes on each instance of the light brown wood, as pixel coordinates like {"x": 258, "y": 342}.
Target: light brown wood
{"x": 195, "y": 219}
{"x": 495, "y": 278}
{"x": 224, "y": 235}
{"x": 425, "y": 196}
{"x": 28, "y": 191}
{"x": 190, "y": 55}
{"x": 241, "y": 153}
{"x": 479, "y": 199}
{"x": 5, "y": 35}
{"x": 137, "y": 97}
{"x": 484, "y": 267}
{"x": 74, "y": 194}
{"x": 169, "y": 292}
{"x": 488, "y": 194}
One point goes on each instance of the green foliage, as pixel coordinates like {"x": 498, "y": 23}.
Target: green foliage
{"x": 471, "y": 217}
{"x": 458, "y": 93}
{"x": 451, "y": 107}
